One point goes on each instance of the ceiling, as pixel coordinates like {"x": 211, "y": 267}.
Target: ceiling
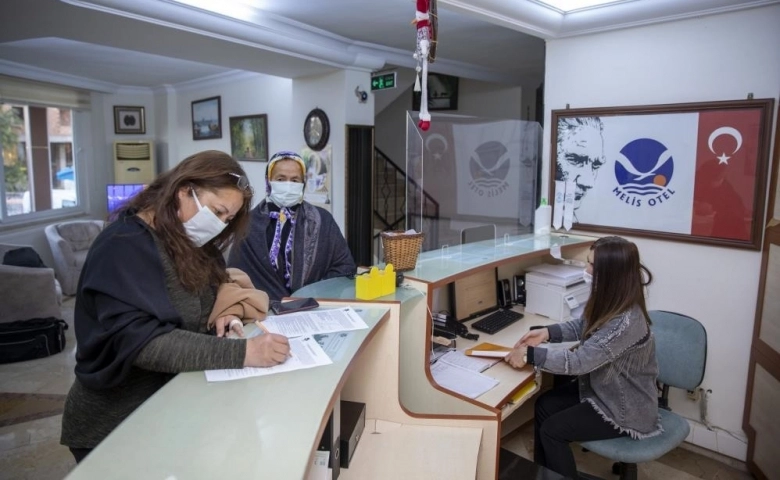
{"x": 110, "y": 44}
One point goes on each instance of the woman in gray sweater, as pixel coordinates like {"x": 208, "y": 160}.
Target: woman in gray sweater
{"x": 614, "y": 392}
{"x": 146, "y": 292}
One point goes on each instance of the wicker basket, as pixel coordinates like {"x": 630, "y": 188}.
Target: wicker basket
{"x": 401, "y": 249}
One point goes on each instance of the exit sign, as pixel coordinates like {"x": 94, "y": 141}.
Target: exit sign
{"x": 383, "y": 82}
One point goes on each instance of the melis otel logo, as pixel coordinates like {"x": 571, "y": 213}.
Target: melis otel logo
{"x": 489, "y": 168}
{"x": 644, "y": 171}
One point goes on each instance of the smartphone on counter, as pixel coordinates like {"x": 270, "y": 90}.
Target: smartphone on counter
{"x": 280, "y": 308}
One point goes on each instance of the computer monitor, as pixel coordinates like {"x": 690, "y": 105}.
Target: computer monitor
{"x": 118, "y": 194}
{"x": 475, "y": 295}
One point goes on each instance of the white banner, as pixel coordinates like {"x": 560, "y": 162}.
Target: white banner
{"x": 488, "y": 168}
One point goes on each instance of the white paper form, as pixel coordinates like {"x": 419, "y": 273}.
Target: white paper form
{"x": 331, "y": 320}
{"x": 467, "y": 383}
{"x": 334, "y": 344}
{"x": 460, "y": 359}
{"x": 305, "y": 353}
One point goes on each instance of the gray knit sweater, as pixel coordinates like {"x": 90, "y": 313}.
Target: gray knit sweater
{"x": 90, "y": 415}
{"x": 617, "y": 370}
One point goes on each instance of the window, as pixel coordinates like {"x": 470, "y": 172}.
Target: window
{"x": 38, "y": 168}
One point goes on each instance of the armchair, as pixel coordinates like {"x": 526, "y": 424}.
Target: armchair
{"x": 70, "y": 242}
{"x": 27, "y": 292}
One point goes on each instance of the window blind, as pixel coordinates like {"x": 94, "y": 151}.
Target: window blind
{"x": 32, "y": 92}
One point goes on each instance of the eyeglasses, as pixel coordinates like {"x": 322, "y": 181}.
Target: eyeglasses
{"x": 242, "y": 183}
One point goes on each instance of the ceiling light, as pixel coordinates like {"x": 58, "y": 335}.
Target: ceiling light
{"x": 569, "y": 6}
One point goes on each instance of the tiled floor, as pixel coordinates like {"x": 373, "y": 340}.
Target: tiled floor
{"x": 31, "y": 450}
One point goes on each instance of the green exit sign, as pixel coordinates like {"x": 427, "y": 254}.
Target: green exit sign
{"x": 383, "y": 82}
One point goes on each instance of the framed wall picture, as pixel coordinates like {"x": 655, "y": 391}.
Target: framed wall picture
{"x": 129, "y": 120}
{"x": 207, "y": 118}
{"x": 442, "y": 93}
{"x": 249, "y": 138}
{"x": 693, "y": 172}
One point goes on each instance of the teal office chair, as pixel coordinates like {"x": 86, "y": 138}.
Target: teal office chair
{"x": 681, "y": 350}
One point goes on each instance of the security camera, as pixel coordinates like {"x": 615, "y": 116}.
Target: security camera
{"x": 361, "y": 94}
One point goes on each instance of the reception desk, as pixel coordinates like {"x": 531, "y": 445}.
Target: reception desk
{"x": 270, "y": 426}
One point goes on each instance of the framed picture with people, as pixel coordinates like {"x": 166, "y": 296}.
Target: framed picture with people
{"x": 249, "y": 138}
{"x": 693, "y": 172}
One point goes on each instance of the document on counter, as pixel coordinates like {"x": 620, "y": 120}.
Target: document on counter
{"x": 342, "y": 319}
{"x": 305, "y": 352}
{"x": 459, "y": 359}
{"x": 458, "y": 379}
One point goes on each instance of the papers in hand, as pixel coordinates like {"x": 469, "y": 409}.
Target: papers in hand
{"x": 305, "y": 352}
{"x": 490, "y": 350}
{"x": 303, "y": 329}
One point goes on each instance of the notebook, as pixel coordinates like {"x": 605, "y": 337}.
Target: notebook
{"x": 486, "y": 349}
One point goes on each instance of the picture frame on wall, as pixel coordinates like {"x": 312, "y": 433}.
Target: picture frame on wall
{"x": 129, "y": 120}
{"x": 693, "y": 172}
{"x": 207, "y": 118}
{"x": 249, "y": 138}
{"x": 442, "y": 93}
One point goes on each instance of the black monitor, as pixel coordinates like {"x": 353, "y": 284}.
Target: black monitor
{"x": 475, "y": 294}
{"x": 118, "y": 194}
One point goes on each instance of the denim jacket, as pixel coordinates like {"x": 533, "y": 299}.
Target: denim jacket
{"x": 616, "y": 369}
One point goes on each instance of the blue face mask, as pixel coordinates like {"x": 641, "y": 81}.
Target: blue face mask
{"x": 204, "y": 225}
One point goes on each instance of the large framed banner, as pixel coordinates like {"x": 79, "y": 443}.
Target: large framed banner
{"x": 693, "y": 172}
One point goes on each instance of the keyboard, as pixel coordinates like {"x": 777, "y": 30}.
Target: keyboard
{"x": 496, "y": 321}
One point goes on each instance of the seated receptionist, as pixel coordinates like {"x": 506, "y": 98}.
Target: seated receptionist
{"x": 614, "y": 392}
{"x": 291, "y": 243}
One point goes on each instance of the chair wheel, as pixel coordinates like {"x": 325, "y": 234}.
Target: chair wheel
{"x": 616, "y": 468}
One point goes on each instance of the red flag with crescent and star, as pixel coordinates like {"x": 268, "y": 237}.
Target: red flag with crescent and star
{"x": 726, "y": 162}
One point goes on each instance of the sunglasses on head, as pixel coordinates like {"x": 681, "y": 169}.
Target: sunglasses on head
{"x": 242, "y": 183}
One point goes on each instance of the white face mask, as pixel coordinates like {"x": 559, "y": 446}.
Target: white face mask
{"x": 587, "y": 277}
{"x": 286, "y": 194}
{"x": 204, "y": 226}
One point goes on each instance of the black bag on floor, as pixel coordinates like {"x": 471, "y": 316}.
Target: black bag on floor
{"x": 30, "y": 339}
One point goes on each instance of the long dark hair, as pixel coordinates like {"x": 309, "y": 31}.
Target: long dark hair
{"x": 618, "y": 282}
{"x": 198, "y": 268}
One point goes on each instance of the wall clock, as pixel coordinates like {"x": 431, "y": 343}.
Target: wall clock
{"x": 316, "y": 129}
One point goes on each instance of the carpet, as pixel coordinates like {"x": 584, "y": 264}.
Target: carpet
{"x": 25, "y": 407}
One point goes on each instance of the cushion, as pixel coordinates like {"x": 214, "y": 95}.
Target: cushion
{"x": 628, "y": 450}
{"x": 79, "y": 234}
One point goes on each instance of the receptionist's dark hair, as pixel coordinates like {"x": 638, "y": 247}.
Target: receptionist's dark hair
{"x": 208, "y": 170}
{"x": 619, "y": 279}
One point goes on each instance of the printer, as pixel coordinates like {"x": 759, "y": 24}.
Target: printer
{"x": 555, "y": 291}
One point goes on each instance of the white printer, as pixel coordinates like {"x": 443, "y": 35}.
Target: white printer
{"x": 555, "y": 291}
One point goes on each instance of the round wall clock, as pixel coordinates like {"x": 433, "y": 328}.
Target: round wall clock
{"x": 316, "y": 129}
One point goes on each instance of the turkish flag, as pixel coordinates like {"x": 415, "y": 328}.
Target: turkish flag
{"x": 726, "y": 159}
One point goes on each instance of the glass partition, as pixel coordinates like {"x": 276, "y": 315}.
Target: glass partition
{"x": 472, "y": 179}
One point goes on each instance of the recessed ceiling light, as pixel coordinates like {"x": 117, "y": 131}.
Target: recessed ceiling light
{"x": 568, "y": 6}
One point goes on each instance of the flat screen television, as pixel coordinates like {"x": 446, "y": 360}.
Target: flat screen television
{"x": 118, "y": 194}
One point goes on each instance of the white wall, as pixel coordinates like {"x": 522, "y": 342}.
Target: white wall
{"x": 335, "y": 94}
{"x": 250, "y": 95}
{"x": 721, "y": 57}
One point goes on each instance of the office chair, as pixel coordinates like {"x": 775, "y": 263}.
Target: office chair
{"x": 681, "y": 350}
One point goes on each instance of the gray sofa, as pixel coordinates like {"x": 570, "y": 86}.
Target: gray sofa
{"x": 69, "y": 243}
{"x": 27, "y": 292}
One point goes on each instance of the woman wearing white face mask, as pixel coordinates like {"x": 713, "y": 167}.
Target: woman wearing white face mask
{"x": 146, "y": 291}
{"x": 291, "y": 243}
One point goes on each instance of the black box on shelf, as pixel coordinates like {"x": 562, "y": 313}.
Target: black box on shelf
{"x": 353, "y": 420}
